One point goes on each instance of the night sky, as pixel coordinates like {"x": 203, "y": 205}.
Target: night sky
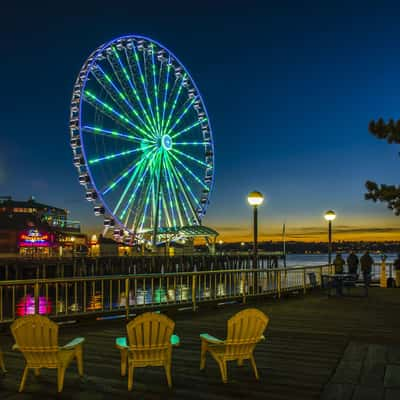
{"x": 290, "y": 90}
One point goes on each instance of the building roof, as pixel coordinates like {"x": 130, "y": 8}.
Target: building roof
{"x": 190, "y": 231}
{"x": 7, "y": 201}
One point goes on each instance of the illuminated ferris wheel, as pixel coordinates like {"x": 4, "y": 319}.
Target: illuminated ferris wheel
{"x": 141, "y": 139}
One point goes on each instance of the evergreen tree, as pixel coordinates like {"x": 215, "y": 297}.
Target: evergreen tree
{"x": 390, "y": 194}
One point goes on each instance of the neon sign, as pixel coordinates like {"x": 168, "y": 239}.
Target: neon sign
{"x": 34, "y": 238}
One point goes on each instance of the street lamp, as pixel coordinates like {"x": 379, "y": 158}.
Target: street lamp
{"x": 330, "y": 216}
{"x": 255, "y": 199}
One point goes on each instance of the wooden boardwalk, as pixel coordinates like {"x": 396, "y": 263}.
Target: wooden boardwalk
{"x": 305, "y": 347}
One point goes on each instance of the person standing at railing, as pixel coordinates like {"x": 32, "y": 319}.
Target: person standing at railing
{"x": 352, "y": 263}
{"x": 338, "y": 262}
{"x": 396, "y": 265}
{"x": 366, "y": 262}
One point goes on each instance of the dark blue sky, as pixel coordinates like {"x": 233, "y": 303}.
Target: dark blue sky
{"x": 290, "y": 90}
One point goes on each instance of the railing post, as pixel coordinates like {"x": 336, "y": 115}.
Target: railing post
{"x": 383, "y": 280}
{"x": 279, "y": 283}
{"x": 320, "y": 276}
{"x": 36, "y": 296}
{"x": 243, "y": 284}
{"x": 304, "y": 281}
{"x": 127, "y": 298}
{"x": 194, "y": 292}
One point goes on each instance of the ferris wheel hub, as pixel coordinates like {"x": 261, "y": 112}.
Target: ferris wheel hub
{"x": 166, "y": 142}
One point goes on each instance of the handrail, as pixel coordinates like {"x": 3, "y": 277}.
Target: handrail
{"x": 151, "y": 275}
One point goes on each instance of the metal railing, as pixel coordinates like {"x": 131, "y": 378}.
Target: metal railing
{"x": 124, "y": 294}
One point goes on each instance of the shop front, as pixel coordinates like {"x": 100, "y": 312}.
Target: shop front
{"x": 35, "y": 243}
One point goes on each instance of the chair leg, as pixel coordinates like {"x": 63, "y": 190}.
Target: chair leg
{"x": 224, "y": 372}
{"x": 130, "y": 376}
{"x": 60, "y": 378}
{"x": 253, "y": 364}
{"x": 124, "y": 360}
{"x": 167, "y": 368}
{"x": 2, "y": 365}
{"x": 37, "y": 371}
{"x": 203, "y": 355}
{"x": 23, "y": 380}
{"x": 79, "y": 359}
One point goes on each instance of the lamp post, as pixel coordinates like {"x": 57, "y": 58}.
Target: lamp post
{"x": 255, "y": 199}
{"x": 330, "y": 216}
{"x": 220, "y": 242}
{"x": 73, "y": 245}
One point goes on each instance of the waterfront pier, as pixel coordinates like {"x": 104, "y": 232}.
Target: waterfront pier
{"x": 316, "y": 347}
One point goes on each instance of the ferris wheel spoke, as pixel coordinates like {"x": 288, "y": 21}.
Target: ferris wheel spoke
{"x": 144, "y": 203}
{"x": 136, "y": 188}
{"x": 139, "y": 167}
{"x": 116, "y": 180}
{"x": 166, "y": 87}
{"x": 105, "y": 108}
{"x": 133, "y": 87}
{"x": 140, "y": 216}
{"x": 116, "y": 94}
{"x": 122, "y": 75}
{"x": 196, "y": 201}
{"x": 189, "y": 171}
{"x": 155, "y": 90}
{"x": 189, "y": 144}
{"x": 175, "y": 197}
{"x": 179, "y": 203}
{"x": 167, "y": 218}
{"x": 143, "y": 171}
{"x": 163, "y": 195}
{"x": 112, "y": 133}
{"x": 169, "y": 191}
{"x": 185, "y": 188}
{"x": 188, "y": 128}
{"x": 184, "y": 112}
{"x": 174, "y": 103}
{"x": 189, "y": 157}
{"x": 143, "y": 80}
{"x": 116, "y": 155}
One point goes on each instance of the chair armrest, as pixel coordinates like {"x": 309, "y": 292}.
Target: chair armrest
{"x": 175, "y": 340}
{"x": 121, "y": 343}
{"x": 15, "y": 347}
{"x": 211, "y": 339}
{"x": 73, "y": 343}
{"x": 262, "y": 337}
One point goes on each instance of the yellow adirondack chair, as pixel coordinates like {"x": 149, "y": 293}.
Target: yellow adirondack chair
{"x": 245, "y": 330}
{"x": 2, "y": 365}
{"x": 151, "y": 340}
{"x": 36, "y": 337}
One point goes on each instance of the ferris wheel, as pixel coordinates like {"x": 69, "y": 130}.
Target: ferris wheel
{"x": 141, "y": 139}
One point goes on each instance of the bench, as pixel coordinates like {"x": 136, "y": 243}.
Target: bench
{"x": 341, "y": 284}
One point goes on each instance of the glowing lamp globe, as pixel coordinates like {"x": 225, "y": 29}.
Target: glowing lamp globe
{"x": 255, "y": 198}
{"x": 330, "y": 215}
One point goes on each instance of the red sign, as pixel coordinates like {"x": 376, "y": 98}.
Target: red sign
{"x": 34, "y": 238}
